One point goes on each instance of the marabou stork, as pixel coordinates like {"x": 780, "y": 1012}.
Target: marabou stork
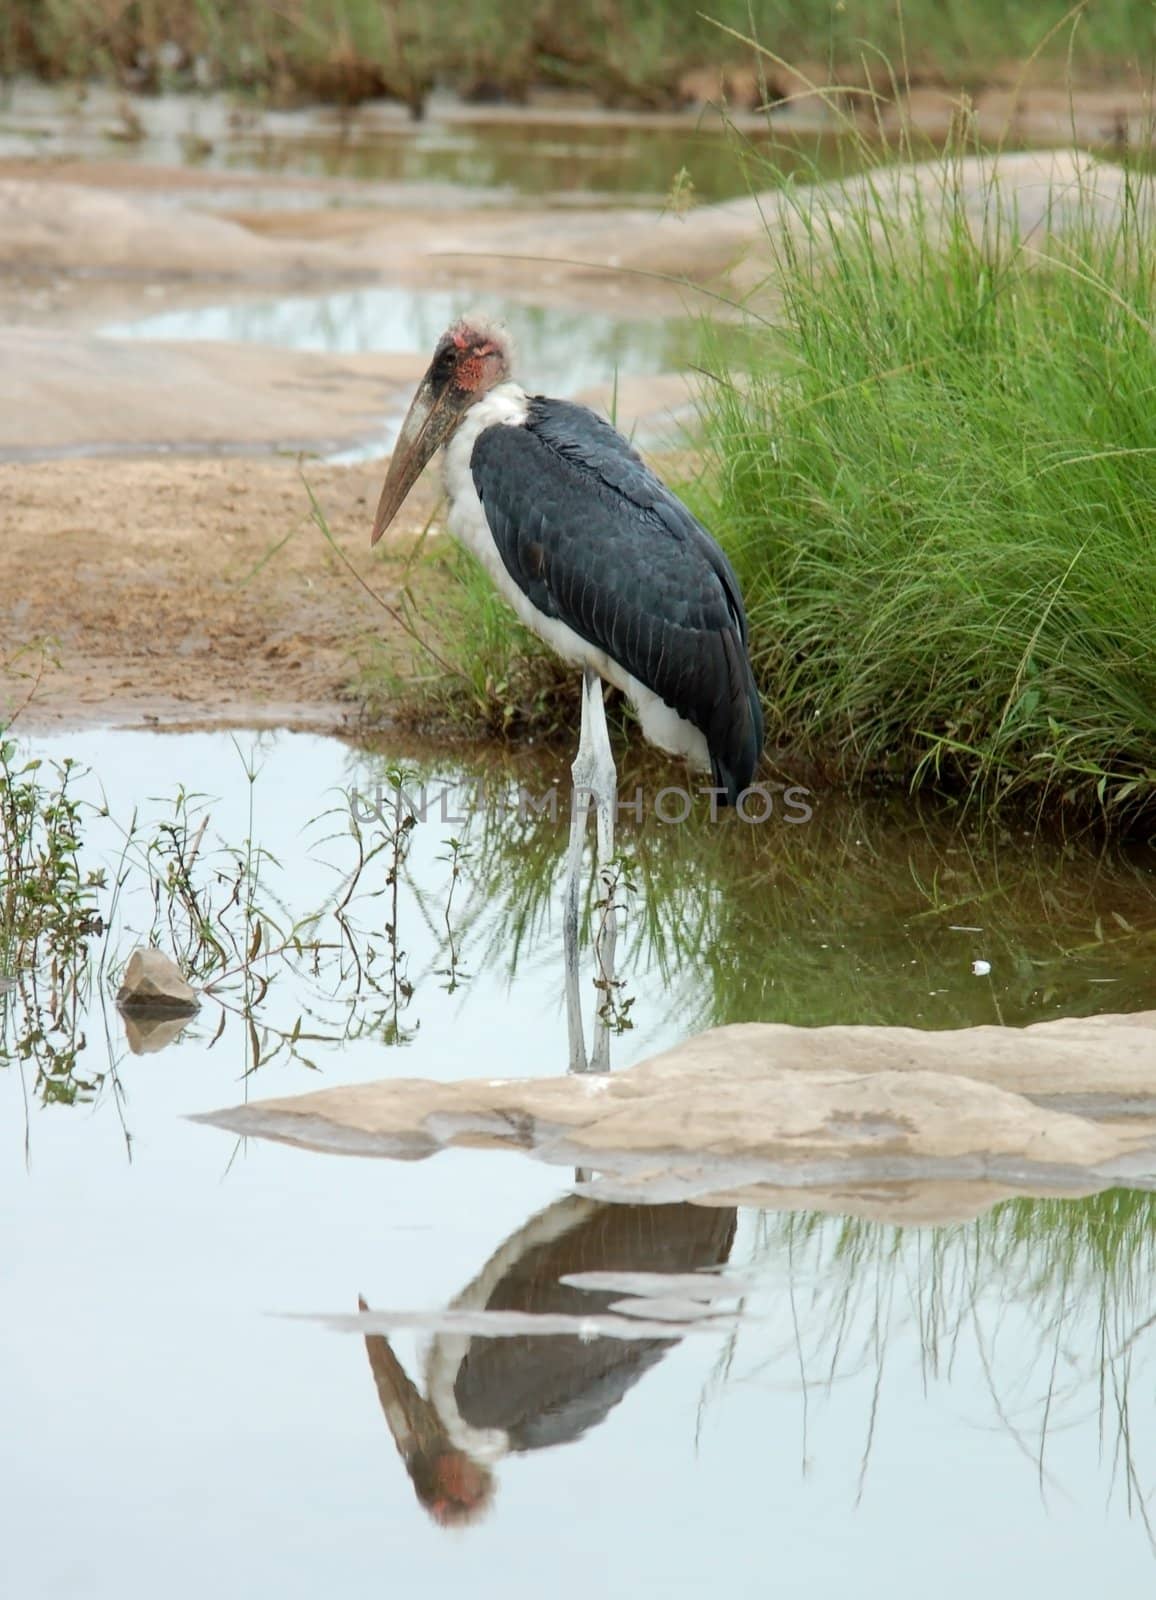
{"x": 604, "y": 563}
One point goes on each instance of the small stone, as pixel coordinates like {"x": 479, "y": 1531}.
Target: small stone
{"x": 153, "y": 982}
{"x": 981, "y": 968}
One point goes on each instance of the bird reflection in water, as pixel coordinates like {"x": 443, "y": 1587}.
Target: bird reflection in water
{"x": 485, "y": 1396}
{"x": 488, "y": 1397}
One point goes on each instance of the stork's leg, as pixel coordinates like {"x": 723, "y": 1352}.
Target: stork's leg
{"x": 604, "y": 782}
{"x": 594, "y": 778}
{"x": 583, "y": 773}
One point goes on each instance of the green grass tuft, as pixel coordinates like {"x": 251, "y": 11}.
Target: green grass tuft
{"x": 480, "y": 675}
{"x": 936, "y": 475}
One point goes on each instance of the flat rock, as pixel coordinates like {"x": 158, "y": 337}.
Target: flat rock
{"x": 79, "y": 394}
{"x": 1055, "y": 191}
{"x": 153, "y": 983}
{"x": 1036, "y": 197}
{"x": 744, "y": 1112}
{"x": 67, "y": 227}
{"x": 1094, "y": 1066}
{"x": 1011, "y": 116}
{"x": 597, "y": 257}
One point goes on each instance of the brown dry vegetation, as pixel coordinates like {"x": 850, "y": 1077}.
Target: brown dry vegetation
{"x": 623, "y": 52}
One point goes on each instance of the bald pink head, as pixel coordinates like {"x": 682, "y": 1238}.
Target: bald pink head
{"x": 471, "y": 357}
{"x": 474, "y": 354}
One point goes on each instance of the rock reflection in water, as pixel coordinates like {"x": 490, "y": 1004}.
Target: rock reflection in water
{"x": 487, "y": 1397}
{"x": 146, "y": 1035}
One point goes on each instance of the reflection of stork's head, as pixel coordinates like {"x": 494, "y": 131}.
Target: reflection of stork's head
{"x": 453, "y": 1489}
{"x": 471, "y": 357}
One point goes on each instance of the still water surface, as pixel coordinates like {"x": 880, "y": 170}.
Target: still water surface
{"x": 963, "y": 1406}
{"x": 453, "y": 157}
{"x": 564, "y": 351}
{"x": 580, "y": 163}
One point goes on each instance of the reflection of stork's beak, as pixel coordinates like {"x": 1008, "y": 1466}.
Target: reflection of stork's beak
{"x": 412, "y": 1420}
{"x": 429, "y": 422}
{"x": 453, "y": 1488}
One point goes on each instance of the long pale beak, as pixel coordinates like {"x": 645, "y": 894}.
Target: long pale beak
{"x": 428, "y": 423}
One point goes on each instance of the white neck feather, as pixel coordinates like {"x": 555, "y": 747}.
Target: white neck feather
{"x": 506, "y": 403}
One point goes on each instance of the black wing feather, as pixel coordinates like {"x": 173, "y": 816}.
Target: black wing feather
{"x": 595, "y": 540}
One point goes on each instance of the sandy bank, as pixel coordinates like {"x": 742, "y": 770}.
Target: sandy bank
{"x": 63, "y": 393}
{"x": 140, "y": 591}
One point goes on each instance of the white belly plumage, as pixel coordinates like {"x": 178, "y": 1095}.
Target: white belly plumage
{"x": 506, "y": 404}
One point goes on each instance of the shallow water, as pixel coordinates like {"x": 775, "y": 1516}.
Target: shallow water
{"x": 454, "y": 156}
{"x": 575, "y": 164}
{"x": 871, "y": 1406}
{"x": 566, "y": 350}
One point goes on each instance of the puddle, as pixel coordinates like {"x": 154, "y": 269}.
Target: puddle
{"x": 566, "y": 352}
{"x": 581, "y": 164}
{"x": 974, "y": 1396}
{"x": 456, "y": 156}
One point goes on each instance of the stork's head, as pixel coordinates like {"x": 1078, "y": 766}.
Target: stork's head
{"x": 471, "y": 357}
